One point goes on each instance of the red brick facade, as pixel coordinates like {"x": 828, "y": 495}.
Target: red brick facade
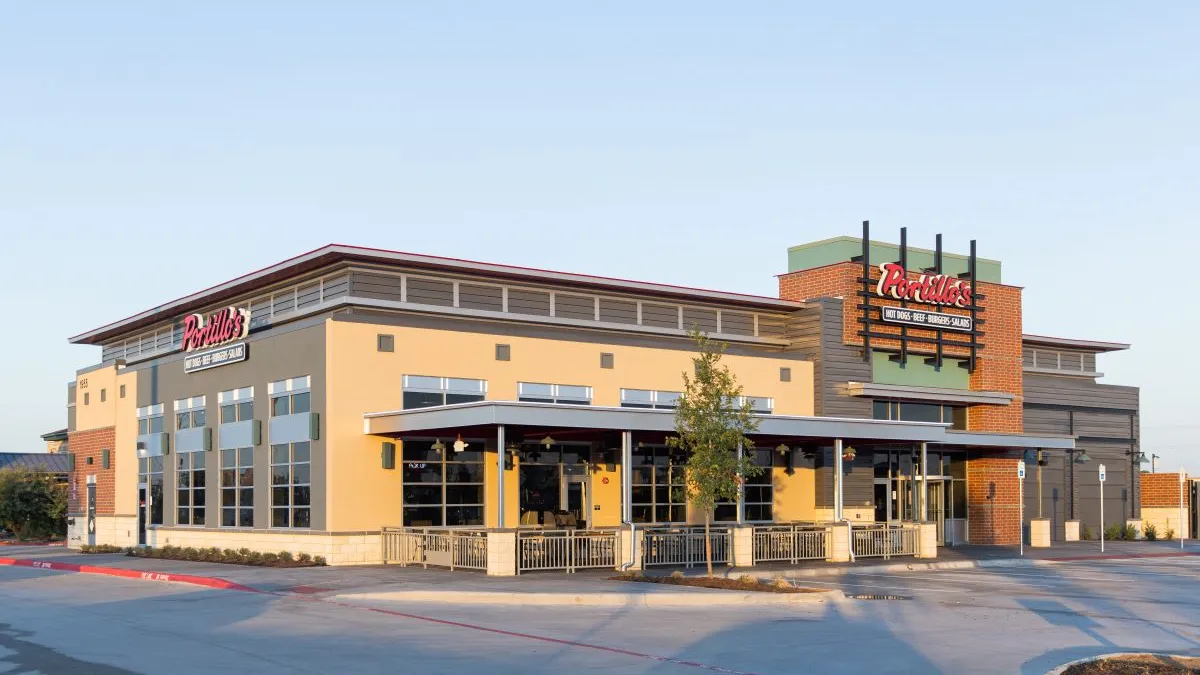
{"x": 999, "y": 365}
{"x": 1160, "y": 490}
{"x": 91, "y": 444}
{"x": 993, "y": 500}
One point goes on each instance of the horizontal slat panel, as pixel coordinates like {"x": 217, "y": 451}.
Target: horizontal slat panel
{"x": 618, "y": 311}
{"x": 430, "y": 291}
{"x": 662, "y": 316}
{"x": 704, "y": 320}
{"x": 575, "y": 306}
{"x": 471, "y": 296}
{"x": 737, "y": 323}
{"x": 309, "y": 296}
{"x": 528, "y": 302}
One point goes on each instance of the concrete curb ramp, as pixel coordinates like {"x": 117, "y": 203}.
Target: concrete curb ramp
{"x": 692, "y": 597}
{"x": 207, "y": 582}
{"x": 1063, "y": 668}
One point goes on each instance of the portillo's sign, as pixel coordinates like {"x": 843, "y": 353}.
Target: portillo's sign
{"x": 223, "y": 326}
{"x": 935, "y": 289}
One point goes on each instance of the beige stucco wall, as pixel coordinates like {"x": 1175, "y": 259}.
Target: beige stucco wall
{"x": 121, "y": 414}
{"x": 794, "y": 494}
{"x": 361, "y": 379}
{"x": 1165, "y": 518}
{"x": 361, "y": 548}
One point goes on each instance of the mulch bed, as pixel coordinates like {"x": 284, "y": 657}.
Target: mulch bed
{"x": 720, "y": 583}
{"x": 1137, "y": 664}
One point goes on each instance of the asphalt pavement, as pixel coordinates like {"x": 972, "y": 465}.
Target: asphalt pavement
{"x": 991, "y": 620}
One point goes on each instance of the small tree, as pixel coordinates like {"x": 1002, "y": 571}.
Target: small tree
{"x": 32, "y": 505}
{"x": 709, "y": 423}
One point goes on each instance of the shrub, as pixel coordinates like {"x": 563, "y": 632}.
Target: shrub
{"x": 319, "y": 561}
{"x": 254, "y": 558}
{"x": 1151, "y": 533}
{"x": 269, "y": 558}
{"x": 1113, "y": 532}
{"x": 1085, "y": 532}
{"x": 304, "y": 558}
{"x": 676, "y": 574}
{"x": 285, "y": 556}
{"x": 1169, "y": 534}
{"x": 747, "y": 579}
{"x": 100, "y": 548}
{"x": 1129, "y": 532}
{"x": 782, "y": 582}
{"x": 32, "y": 505}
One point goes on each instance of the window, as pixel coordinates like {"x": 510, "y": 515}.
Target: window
{"x": 785, "y": 374}
{"x": 442, "y": 487}
{"x": 290, "y": 397}
{"x": 954, "y": 415}
{"x": 759, "y": 494}
{"x": 150, "y": 472}
{"x": 121, "y": 392}
{"x": 503, "y": 352}
{"x": 421, "y": 391}
{"x": 86, "y": 398}
{"x": 385, "y": 342}
{"x": 606, "y": 360}
{"x": 646, "y": 398}
{"x": 103, "y": 395}
{"x": 291, "y": 498}
{"x": 554, "y": 393}
{"x": 237, "y": 487}
{"x": 237, "y": 405}
{"x": 759, "y": 404}
{"x": 150, "y": 419}
{"x": 190, "y": 413}
{"x": 659, "y": 486}
{"x": 190, "y": 487}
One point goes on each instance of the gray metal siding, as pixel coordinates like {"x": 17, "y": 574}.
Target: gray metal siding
{"x": 575, "y": 306}
{"x": 1077, "y": 391}
{"x": 737, "y": 323}
{"x": 662, "y": 316}
{"x": 618, "y": 311}
{"x": 472, "y": 296}
{"x": 529, "y": 302}
{"x": 430, "y": 291}
{"x": 703, "y": 319}
{"x": 841, "y": 363}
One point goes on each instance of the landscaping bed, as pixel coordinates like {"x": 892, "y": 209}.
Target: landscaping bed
{"x": 745, "y": 583}
{"x": 229, "y": 556}
{"x": 1137, "y": 664}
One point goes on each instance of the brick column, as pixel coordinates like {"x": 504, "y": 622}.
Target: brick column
{"x": 993, "y": 502}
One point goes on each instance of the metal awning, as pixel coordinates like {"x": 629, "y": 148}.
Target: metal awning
{"x": 938, "y": 394}
{"x": 520, "y": 413}
{"x": 555, "y": 415}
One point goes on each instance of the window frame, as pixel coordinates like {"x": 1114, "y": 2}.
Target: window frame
{"x": 291, "y": 485}
{"x": 195, "y": 468}
{"x": 445, "y": 460}
{"x": 656, "y": 399}
{"x": 554, "y": 394}
{"x": 146, "y": 475}
{"x": 444, "y": 388}
{"x": 238, "y": 471}
{"x": 675, "y": 468}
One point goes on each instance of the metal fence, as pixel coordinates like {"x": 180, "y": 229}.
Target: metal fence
{"x": 790, "y": 543}
{"x": 453, "y": 548}
{"x": 685, "y": 546}
{"x": 884, "y": 540}
{"x": 567, "y": 550}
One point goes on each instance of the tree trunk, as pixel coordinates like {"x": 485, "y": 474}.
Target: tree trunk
{"x": 708, "y": 543}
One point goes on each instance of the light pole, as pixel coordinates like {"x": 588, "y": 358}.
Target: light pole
{"x": 1182, "y": 525}
{"x": 1153, "y": 463}
{"x": 1102, "y": 477}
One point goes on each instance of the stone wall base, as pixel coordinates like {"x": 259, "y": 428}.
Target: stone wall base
{"x": 112, "y": 530}
{"x": 337, "y": 549}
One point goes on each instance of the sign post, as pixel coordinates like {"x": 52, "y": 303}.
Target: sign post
{"x": 1102, "y": 477}
{"x": 1021, "y": 501}
{"x": 1182, "y": 524}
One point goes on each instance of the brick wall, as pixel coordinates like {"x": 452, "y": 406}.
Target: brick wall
{"x": 999, "y": 363}
{"x": 993, "y": 500}
{"x": 91, "y": 444}
{"x": 1160, "y": 490}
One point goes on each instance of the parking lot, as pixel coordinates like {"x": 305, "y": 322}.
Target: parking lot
{"x": 997, "y": 620}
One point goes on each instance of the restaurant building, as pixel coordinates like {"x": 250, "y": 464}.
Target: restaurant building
{"x": 311, "y": 404}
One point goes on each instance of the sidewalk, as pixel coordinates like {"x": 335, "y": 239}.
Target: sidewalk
{"x": 414, "y": 584}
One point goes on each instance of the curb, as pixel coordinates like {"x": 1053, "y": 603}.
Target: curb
{"x": 60, "y": 544}
{"x": 1063, "y": 668}
{"x": 690, "y": 598}
{"x": 206, "y": 582}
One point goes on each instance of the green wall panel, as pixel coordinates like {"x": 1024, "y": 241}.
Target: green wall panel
{"x": 916, "y": 373}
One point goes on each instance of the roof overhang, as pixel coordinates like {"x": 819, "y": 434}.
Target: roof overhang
{"x": 517, "y": 413}
{"x": 1071, "y": 343}
{"x": 992, "y": 440}
{"x": 935, "y": 394}
{"x": 332, "y": 254}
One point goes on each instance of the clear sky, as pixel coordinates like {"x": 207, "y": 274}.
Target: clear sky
{"x": 148, "y": 150}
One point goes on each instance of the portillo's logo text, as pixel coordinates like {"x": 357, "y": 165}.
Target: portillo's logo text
{"x": 226, "y": 325}
{"x": 937, "y": 289}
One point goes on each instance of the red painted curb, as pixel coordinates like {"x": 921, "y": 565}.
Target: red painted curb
{"x": 1123, "y": 556}
{"x": 41, "y": 543}
{"x": 207, "y": 582}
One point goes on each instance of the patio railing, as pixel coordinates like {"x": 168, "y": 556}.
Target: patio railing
{"x": 441, "y": 547}
{"x": 790, "y": 543}
{"x": 880, "y": 540}
{"x": 567, "y": 550}
{"x": 685, "y": 546}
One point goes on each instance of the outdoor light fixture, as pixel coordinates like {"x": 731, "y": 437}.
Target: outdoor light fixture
{"x": 1041, "y": 458}
{"x": 782, "y": 449}
{"x": 849, "y": 454}
{"x": 1082, "y": 457}
{"x": 547, "y": 441}
{"x": 438, "y": 445}
{"x": 1138, "y": 456}
{"x": 460, "y": 444}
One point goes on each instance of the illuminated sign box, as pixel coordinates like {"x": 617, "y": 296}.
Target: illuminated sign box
{"x": 214, "y": 357}
{"x": 923, "y": 319}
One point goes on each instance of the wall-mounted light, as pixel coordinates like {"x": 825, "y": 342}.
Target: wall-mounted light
{"x": 849, "y": 453}
{"x": 782, "y": 449}
{"x": 547, "y": 441}
{"x": 460, "y": 444}
{"x": 438, "y": 446}
{"x": 1082, "y": 457}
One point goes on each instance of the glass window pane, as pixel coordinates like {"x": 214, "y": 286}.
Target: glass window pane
{"x": 247, "y": 477}
{"x": 228, "y": 413}
{"x": 182, "y": 421}
{"x": 228, "y": 458}
{"x": 464, "y": 515}
{"x": 464, "y": 386}
{"x": 300, "y": 518}
{"x": 300, "y": 474}
{"x": 246, "y": 518}
{"x": 536, "y": 390}
{"x": 279, "y": 496}
{"x": 451, "y": 399}
{"x": 423, "y": 516}
{"x": 643, "y": 495}
{"x": 422, "y": 472}
{"x": 301, "y": 496}
{"x": 464, "y": 473}
{"x": 229, "y": 497}
{"x": 228, "y": 517}
{"x": 464, "y": 494}
{"x": 198, "y": 515}
{"x": 245, "y": 411}
{"x": 247, "y": 495}
{"x": 678, "y": 514}
{"x": 422, "y": 495}
{"x": 182, "y": 517}
{"x": 667, "y": 399}
{"x": 184, "y": 480}
{"x": 279, "y": 517}
{"x": 184, "y": 498}
{"x": 422, "y": 382}
{"x": 879, "y": 410}
{"x": 643, "y": 513}
{"x": 279, "y": 406}
{"x": 636, "y": 396}
{"x": 301, "y": 403}
{"x": 280, "y": 454}
{"x": 420, "y": 399}
{"x": 143, "y": 426}
{"x": 280, "y": 475}
{"x": 199, "y": 417}
{"x": 920, "y": 412}
{"x": 245, "y": 456}
{"x": 574, "y": 392}
{"x": 156, "y": 425}
{"x": 662, "y": 514}
{"x": 198, "y": 497}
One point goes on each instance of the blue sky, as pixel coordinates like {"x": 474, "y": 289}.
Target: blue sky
{"x": 147, "y": 151}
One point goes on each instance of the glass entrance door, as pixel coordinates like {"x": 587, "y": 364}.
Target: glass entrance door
{"x": 143, "y": 512}
{"x": 937, "y": 508}
{"x": 575, "y": 500}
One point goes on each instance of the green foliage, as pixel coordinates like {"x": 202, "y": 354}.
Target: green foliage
{"x": 1085, "y": 532}
{"x": 101, "y": 548}
{"x": 285, "y": 556}
{"x": 1151, "y": 533}
{"x": 676, "y": 574}
{"x": 1113, "y": 532}
{"x": 32, "y": 505}
{"x": 1169, "y": 534}
{"x": 319, "y": 561}
{"x": 242, "y": 556}
{"x": 709, "y": 425}
{"x": 1129, "y": 532}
